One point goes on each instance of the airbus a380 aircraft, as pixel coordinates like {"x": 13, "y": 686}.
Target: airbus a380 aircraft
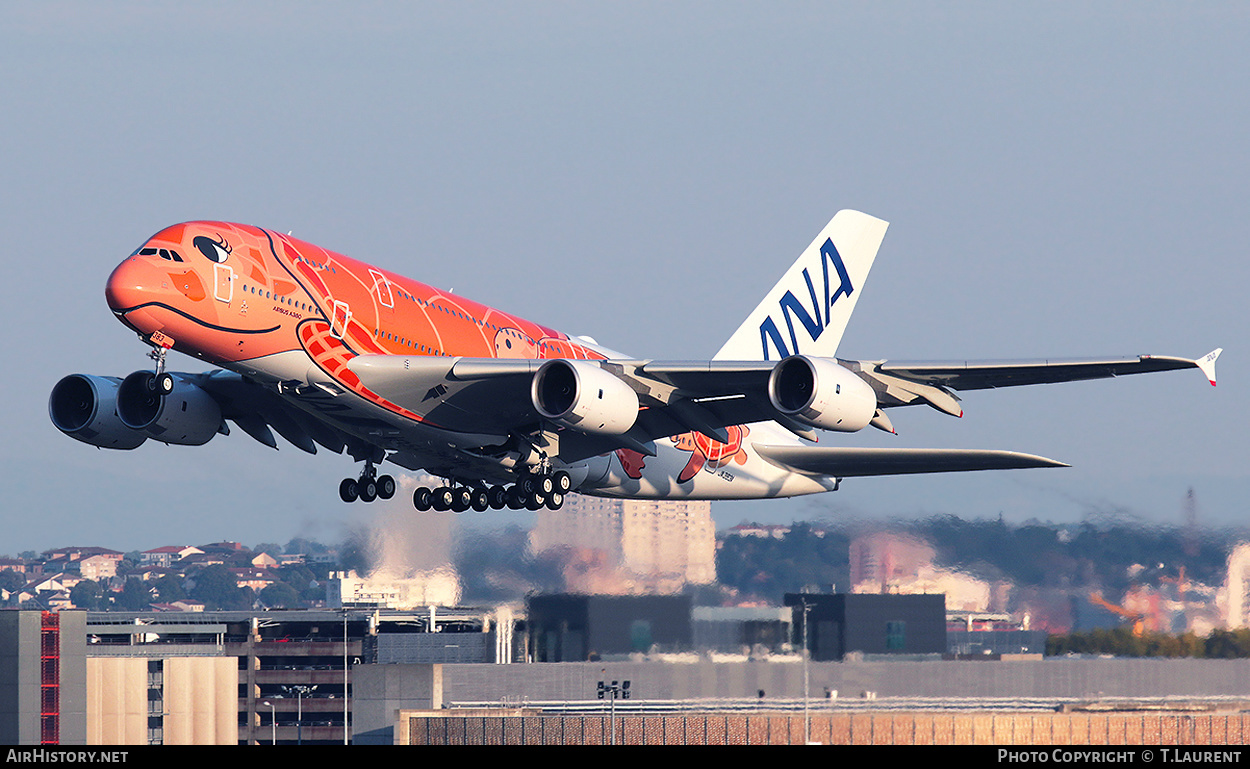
{"x": 329, "y": 351}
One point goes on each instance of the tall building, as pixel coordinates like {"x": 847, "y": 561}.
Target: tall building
{"x": 43, "y": 678}
{"x": 1235, "y": 587}
{"x": 879, "y": 560}
{"x": 619, "y": 546}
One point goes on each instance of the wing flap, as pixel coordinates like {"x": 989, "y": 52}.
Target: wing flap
{"x": 468, "y": 395}
{"x": 850, "y": 462}
{"x": 493, "y": 395}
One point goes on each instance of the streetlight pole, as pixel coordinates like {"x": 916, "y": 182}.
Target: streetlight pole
{"x": 345, "y": 711}
{"x": 300, "y": 690}
{"x": 807, "y": 716}
{"x": 612, "y": 691}
{"x": 273, "y": 722}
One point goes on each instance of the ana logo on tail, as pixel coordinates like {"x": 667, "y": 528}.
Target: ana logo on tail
{"x": 806, "y": 312}
{"x": 791, "y": 308}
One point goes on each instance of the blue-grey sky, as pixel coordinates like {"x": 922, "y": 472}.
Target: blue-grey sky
{"x": 1061, "y": 179}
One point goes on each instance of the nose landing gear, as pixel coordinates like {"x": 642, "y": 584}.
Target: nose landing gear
{"x": 368, "y": 487}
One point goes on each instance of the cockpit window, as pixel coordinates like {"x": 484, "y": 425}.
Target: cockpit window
{"x": 214, "y": 250}
{"x": 168, "y": 254}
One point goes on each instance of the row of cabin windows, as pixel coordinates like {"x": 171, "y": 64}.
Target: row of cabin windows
{"x": 399, "y": 290}
{"x": 302, "y": 306}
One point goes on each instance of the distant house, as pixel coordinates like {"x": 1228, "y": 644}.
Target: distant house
{"x": 167, "y": 556}
{"x": 265, "y": 561}
{"x": 151, "y": 573}
{"x": 50, "y": 591}
{"x": 256, "y": 579}
{"x": 95, "y": 567}
{"x": 17, "y": 565}
{"x": 202, "y": 559}
{"x": 763, "y": 531}
{"x": 70, "y": 558}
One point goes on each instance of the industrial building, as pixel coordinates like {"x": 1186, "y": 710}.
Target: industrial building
{"x": 332, "y": 677}
{"x": 835, "y": 625}
{"x": 226, "y": 677}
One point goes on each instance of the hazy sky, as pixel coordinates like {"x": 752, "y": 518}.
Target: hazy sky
{"x": 1061, "y": 180}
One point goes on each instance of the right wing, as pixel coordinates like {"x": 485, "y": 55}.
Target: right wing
{"x": 487, "y": 400}
{"x": 902, "y": 383}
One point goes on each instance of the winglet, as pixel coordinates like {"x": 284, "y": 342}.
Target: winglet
{"x": 1207, "y": 364}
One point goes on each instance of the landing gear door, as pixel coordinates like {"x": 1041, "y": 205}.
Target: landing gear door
{"x": 339, "y": 320}
{"x": 223, "y": 282}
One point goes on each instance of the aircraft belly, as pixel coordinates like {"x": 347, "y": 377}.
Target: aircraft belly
{"x": 690, "y": 466}
{"x": 305, "y": 386}
{"x": 288, "y": 366}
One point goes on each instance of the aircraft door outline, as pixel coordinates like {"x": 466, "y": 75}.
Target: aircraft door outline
{"x": 382, "y": 287}
{"x": 339, "y": 319}
{"x": 223, "y": 282}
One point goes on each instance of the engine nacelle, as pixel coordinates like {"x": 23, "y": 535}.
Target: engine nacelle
{"x": 85, "y": 407}
{"x": 584, "y": 397}
{"x": 187, "y": 415}
{"x": 821, "y": 393}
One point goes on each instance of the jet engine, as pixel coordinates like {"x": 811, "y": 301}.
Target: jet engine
{"x": 85, "y": 407}
{"x": 584, "y": 397}
{"x": 168, "y": 408}
{"x": 821, "y": 393}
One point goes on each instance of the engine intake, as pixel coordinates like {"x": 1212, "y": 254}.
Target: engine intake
{"x": 85, "y": 407}
{"x": 186, "y": 416}
{"x": 584, "y": 397}
{"x": 821, "y": 393}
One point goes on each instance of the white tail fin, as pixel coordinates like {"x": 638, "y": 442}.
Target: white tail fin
{"x": 807, "y": 311}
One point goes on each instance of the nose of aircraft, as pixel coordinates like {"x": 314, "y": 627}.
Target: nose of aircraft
{"x": 128, "y": 285}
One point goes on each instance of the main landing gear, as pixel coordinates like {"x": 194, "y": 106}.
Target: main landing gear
{"x": 368, "y": 487}
{"x": 532, "y": 492}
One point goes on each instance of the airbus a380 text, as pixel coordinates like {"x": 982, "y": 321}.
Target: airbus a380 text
{"x": 328, "y": 351}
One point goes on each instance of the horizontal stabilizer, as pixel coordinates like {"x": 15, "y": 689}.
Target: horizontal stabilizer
{"x": 848, "y": 462}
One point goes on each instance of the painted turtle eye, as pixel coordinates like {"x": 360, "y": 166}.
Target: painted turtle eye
{"x": 213, "y": 250}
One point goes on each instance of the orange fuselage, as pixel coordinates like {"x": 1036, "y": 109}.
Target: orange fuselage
{"x": 234, "y": 294}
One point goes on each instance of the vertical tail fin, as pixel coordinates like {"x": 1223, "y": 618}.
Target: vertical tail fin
{"x": 807, "y": 311}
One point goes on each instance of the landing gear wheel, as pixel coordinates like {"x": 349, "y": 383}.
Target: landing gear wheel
{"x": 163, "y": 384}
{"x": 368, "y": 489}
{"x": 461, "y": 499}
{"x": 422, "y": 499}
{"x": 534, "y": 502}
{"x": 563, "y": 483}
{"x": 442, "y": 498}
{"x": 555, "y": 501}
{"x": 515, "y": 498}
{"x": 348, "y": 491}
{"x": 481, "y": 500}
{"x": 498, "y": 497}
{"x": 386, "y": 487}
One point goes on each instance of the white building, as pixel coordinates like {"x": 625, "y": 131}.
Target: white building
{"x": 622, "y": 546}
